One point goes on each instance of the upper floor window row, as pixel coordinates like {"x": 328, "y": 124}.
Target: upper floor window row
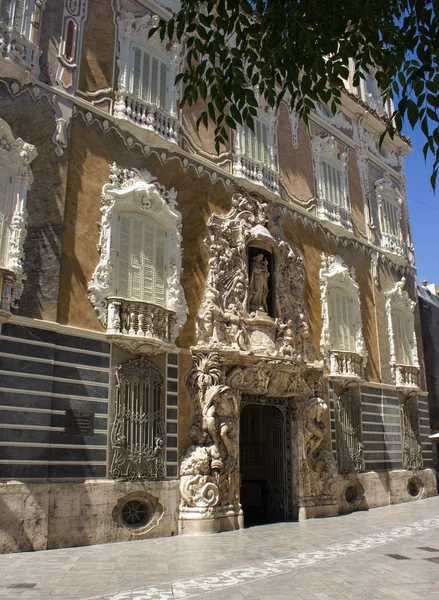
{"x": 23, "y": 16}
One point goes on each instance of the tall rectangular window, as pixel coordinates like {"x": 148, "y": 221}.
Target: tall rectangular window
{"x": 332, "y": 184}
{"x": 401, "y": 338}
{"x": 390, "y": 217}
{"x": 141, "y": 260}
{"x": 148, "y": 79}
{"x": 341, "y": 321}
{"x": 256, "y": 143}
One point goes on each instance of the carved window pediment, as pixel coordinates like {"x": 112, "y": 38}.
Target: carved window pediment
{"x": 136, "y": 289}
{"x": 147, "y": 97}
{"x": 342, "y": 343}
{"x": 15, "y": 180}
{"x": 402, "y": 338}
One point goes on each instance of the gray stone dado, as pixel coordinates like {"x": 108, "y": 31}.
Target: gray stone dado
{"x": 56, "y": 515}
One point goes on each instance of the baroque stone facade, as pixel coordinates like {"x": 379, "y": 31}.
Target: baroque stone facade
{"x": 204, "y": 338}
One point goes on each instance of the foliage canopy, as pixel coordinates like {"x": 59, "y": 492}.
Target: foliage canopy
{"x": 300, "y": 51}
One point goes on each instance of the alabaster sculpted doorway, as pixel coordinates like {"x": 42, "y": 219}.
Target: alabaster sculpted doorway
{"x": 265, "y": 459}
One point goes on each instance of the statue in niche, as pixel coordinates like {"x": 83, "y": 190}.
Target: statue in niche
{"x": 258, "y": 289}
{"x": 219, "y": 413}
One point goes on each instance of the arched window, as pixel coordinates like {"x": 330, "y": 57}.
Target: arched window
{"x": 342, "y": 341}
{"x": 138, "y": 434}
{"x": 136, "y": 289}
{"x": 402, "y": 339}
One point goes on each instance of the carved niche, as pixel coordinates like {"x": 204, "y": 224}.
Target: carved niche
{"x": 227, "y": 319}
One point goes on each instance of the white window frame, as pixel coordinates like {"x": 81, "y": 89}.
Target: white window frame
{"x": 336, "y": 275}
{"x": 15, "y": 158}
{"x": 137, "y": 191}
{"x": 325, "y": 151}
{"x": 397, "y": 299}
{"x": 258, "y": 173}
{"x": 133, "y": 32}
{"x": 386, "y": 193}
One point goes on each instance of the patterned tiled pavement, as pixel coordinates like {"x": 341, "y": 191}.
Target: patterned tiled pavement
{"x": 385, "y": 553}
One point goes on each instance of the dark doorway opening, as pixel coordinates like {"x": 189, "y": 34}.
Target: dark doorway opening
{"x": 262, "y": 464}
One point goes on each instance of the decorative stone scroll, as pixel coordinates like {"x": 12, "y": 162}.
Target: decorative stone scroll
{"x": 228, "y": 318}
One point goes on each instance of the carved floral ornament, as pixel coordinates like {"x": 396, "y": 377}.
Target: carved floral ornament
{"x": 15, "y": 158}
{"x": 138, "y": 191}
{"x": 336, "y": 274}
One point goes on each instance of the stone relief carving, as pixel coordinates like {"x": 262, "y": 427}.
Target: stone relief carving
{"x": 335, "y": 272}
{"x": 339, "y": 120}
{"x": 317, "y": 455}
{"x": 209, "y": 477}
{"x": 15, "y": 157}
{"x": 138, "y": 190}
{"x": 228, "y": 318}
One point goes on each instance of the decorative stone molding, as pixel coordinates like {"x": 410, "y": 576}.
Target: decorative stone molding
{"x": 74, "y": 17}
{"x": 138, "y": 326}
{"x": 257, "y": 174}
{"x": 15, "y": 158}
{"x": 226, "y": 320}
{"x": 342, "y": 365}
{"x": 385, "y": 191}
{"x": 147, "y": 118}
{"x": 325, "y": 150}
{"x": 405, "y": 377}
{"x": 338, "y": 120}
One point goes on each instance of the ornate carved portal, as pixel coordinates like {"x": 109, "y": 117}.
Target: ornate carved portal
{"x": 252, "y": 339}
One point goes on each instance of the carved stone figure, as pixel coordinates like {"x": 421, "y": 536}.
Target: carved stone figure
{"x": 317, "y": 453}
{"x": 258, "y": 288}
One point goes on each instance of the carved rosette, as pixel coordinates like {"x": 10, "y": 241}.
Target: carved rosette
{"x": 138, "y": 190}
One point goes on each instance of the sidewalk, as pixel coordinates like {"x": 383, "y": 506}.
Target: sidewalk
{"x": 346, "y": 557}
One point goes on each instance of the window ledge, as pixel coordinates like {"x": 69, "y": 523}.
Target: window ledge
{"x": 140, "y": 327}
{"x": 256, "y": 174}
{"x": 146, "y": 117}
{"x": 346, "y": 365}
{"x": 19, "y": 52}
{"x": 406, "y": 377}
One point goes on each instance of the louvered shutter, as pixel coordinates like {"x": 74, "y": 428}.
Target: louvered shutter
{"x": 148, "y": 263}
{"x": 136, "y": 261}
{"x": 402, "y": 338}
{"x": 145, "y": 76}
{"x": 17, "y": 22}
{"x": 154, "y": 81}
{"x": 123, "y": 288}
{"x": 159, "y": 264}
{"x": 162, "y": 94}
{"x": 136, "y": 84}
{"x": 264, "y": 144}
{"x": 341, "y": 321}
{"x": 5, "y": 10}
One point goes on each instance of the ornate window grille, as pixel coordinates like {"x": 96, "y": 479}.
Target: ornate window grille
{"x": 412, "y": 447}
{"x": 138, "y": 431}
{"x": 350, "y": 447}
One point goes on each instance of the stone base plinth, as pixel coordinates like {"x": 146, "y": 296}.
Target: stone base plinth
{"x": 315, "y": 512}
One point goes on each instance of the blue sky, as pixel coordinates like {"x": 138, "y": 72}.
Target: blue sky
{"x": 423, "y": 208}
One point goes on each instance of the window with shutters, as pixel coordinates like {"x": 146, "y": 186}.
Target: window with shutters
{"x": 255, "y": 152}
{"x": 402, "y": 338}
{"x": 389, "y": 200}
{"x": 331, "y": 181}
{"x": 342, "y": 341}
{"x": 15, "y": 180}
{"x": 141, "y": 260}
{"x": 136, "y": 288}
{"x": 147, "y": 96}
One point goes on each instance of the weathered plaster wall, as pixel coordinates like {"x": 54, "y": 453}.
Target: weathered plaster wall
{"x": 50, "y": 35}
